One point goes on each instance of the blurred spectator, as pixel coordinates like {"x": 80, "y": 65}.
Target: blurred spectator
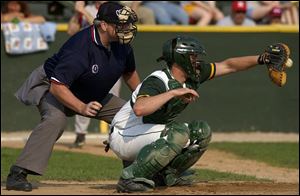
{"x": 238, "y": 15}
{"x": 259, "y": 10}
{"x": 24, "y": 32}
{"x": 56, "y": 10}
{"x": 145, "y": 15}
{"x": 83, "y": 17}
{"x": 224, "y": 7}
{"x": 168, "y": 12}
{"x": 202, "y": 13}
{"x": 275, "y": 16}
{"x": 18, "y": 11}
{"x": 290, "y": 12}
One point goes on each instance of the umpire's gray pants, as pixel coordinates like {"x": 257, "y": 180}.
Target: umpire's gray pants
{"x": 38, "y": 149}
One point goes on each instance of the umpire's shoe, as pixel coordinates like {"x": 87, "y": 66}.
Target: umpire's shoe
{"x": 130, "y": 186}
{"x": 16, "y": 179}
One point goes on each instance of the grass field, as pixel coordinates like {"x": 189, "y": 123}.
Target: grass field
{"x": 279, "y": 154}
{"x": 86, "y": 167}
{"x": 68, "y": 166}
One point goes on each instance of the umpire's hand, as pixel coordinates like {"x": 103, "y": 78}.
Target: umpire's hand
{"x": 92, "y": 108}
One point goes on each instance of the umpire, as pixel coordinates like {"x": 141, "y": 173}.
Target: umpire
{"x": 77, "y": 80}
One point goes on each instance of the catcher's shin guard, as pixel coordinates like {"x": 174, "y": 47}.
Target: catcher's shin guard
{"x": 155, "y": 156}
{"x": 200, "y": 136}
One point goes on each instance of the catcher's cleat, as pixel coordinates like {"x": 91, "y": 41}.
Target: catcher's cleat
{"x": 16, "y": 180}
{"x": 130, "y": 186}
{"x": 79, "y": 141}
{"x": 184, "y": 179}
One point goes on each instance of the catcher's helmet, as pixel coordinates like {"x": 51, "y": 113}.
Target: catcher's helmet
{"x": 124, "y": 18}
{"x": 185, "y": 52}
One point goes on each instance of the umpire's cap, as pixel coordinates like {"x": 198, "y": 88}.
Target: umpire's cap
{"x": 110, "y": 12}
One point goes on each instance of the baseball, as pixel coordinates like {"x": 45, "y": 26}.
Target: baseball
{"x": 289, "y": 63}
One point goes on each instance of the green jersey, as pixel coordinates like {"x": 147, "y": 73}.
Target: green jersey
{"x": 163, "y": 81}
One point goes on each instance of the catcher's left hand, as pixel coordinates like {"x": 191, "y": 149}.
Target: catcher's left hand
{"x": 277, "y": 58}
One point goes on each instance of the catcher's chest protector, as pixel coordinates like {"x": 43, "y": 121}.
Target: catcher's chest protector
{"x": 173, "y": 107}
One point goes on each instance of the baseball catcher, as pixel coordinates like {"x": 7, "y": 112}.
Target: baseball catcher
{"x": 157, "y": 150}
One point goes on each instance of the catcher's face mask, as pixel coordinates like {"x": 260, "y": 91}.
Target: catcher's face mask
{"x": 195, "y": 62}
{"x": 187, "y": 52}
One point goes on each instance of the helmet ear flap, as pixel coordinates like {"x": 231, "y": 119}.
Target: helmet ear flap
{"x": 167, "y": 52}
{"x": 170, "y": 54}
{"x": 174, "y": 42}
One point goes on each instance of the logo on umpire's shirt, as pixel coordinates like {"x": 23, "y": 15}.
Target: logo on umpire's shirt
{"x": 95, "y": 69}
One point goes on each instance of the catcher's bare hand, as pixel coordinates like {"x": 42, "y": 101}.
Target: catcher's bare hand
{"x": 186, "y": 94}
{"x": 91, "y": 109}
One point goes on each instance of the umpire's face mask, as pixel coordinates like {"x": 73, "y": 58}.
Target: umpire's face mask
{"x": 125, "y": 27}
{"x": 126, "y": 32}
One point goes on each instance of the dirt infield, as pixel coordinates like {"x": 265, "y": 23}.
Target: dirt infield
{"x": 285, "y": 181}
{"x": 202, "y": 188}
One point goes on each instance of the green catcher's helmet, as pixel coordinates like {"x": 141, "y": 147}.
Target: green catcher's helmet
{"x": 179, "y": 50}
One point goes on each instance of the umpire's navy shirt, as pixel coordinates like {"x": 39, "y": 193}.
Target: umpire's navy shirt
{"x": 85, "y": 66}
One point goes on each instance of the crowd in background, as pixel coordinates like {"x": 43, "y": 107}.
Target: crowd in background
{"x": 201, "y": 13}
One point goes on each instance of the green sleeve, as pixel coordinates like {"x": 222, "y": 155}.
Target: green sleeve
{"x": 152, "y": 86}
{"x": 207, "y": 72}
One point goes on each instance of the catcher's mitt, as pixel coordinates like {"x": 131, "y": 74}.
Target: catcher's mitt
{"x": 276, "y": 57}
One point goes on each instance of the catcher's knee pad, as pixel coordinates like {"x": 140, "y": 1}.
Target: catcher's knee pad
{"x": 155, "y": 156}
{"x": 177, "y": 135}
{"x": 200, "y": 133}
